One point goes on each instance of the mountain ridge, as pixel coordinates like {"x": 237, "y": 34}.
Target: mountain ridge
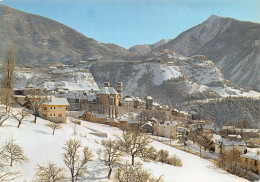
{"x": 233, "y": 45}
{"x": 39, "y": 39}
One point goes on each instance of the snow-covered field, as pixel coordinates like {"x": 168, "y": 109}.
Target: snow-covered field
{"x": 41, "y": 147}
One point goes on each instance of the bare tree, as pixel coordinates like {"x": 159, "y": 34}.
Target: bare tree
{"x": 127, "y": 173}
{"x": 20, "y": 116}
{"x": 53, "y": 126}
{"x": 13, "y": 153}
{"x": 72, "y": 159}
{"x": 8, "y": 77}
{"x": 110, "y": 155}
{"x": 8, "y": 176}
{"x": 50, "y": 173}
{"x": 4, "y": 115}
{"x": 133, "y": 142}
{"x": 35, "y": 99}
{"x": 232, "y": 162}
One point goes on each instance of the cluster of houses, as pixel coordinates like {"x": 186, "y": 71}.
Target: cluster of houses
{"x": 108, "y": 106}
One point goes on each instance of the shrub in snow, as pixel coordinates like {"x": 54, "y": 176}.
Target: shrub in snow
{"x": 127, "y": 172}
{"x": 50, "y": 173}
{"x": 175, "y": 161}
{"x": 163, "y": 156}
{"x": 151, "y": 154}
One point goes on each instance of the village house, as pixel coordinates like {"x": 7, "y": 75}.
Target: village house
{"x": 132, "y": 102}
{"x": 77, "y": 99}
{"x": 128, "y": 102}
{"x": 253, "y": 160}
{"x": 147, "y": 127}
{"x": 250, "y": 135}
{"x": 167, "y": 129}
{"x": 224, "y": 145}
{"x": 54, "y": 109}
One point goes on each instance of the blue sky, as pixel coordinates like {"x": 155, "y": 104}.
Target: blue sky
{"x": 131, "y": 22}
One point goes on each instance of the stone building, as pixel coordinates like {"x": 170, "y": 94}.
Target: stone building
{"x": 107, "y": 100}
{"x": 149, "y": 102}
{"x": 120, "y": 90}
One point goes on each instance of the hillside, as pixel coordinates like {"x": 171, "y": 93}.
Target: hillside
{"x": 228, "y": 109}
{"x": 234, "y": 46}
{"x": 40, "y": 40}
{"x": 176, "y": 80}
{"x": 143, "y": 49}
{"x": 41, "y": 147}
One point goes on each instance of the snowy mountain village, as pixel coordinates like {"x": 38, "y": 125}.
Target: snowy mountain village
{"x": 232, "y": 148}
{"x": 129, "y": 91}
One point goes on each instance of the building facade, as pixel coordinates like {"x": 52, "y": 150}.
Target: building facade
{"x": 54, "y": 110}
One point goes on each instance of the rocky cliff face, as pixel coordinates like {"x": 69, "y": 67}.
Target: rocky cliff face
{"x": 234, "y": 46}
{"x": 39, "y": 40}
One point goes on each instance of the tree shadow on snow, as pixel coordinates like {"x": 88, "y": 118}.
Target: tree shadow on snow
{"x": 97, "y": 171}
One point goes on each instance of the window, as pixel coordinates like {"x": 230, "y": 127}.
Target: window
{"x": 45, "y": 108}
{"x": 50, "y": 114}
{"x": 53, "y": 114}
{"x": 53, "y": 107}
{"x": 255, "y": 162}
{"x": 60, "y": 115}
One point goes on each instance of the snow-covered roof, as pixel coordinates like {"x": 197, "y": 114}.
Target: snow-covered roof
{"x": 247, "y": 130}
{"x": 57, "y": 101}
{"x": 133, "y": 122}
{"x": 235, "y": 136}
{"x": 229, "y": 142}
{"x": 251, "y": 155}
{"x": 107, "y": 90}
{"x": 156, "y": 104}
{"x": 154, "y": 119}
{"x": 148, "y": 123}
{"x": 216, "y": 137}
{"x": 128, "y": 99}
{"x": 148, "y": 98}
{"x": 77, "y": 94}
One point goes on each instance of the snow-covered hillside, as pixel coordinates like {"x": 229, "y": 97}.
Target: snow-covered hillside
{"x": 70, "y": 78}
{"x": 42, "y": 147}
